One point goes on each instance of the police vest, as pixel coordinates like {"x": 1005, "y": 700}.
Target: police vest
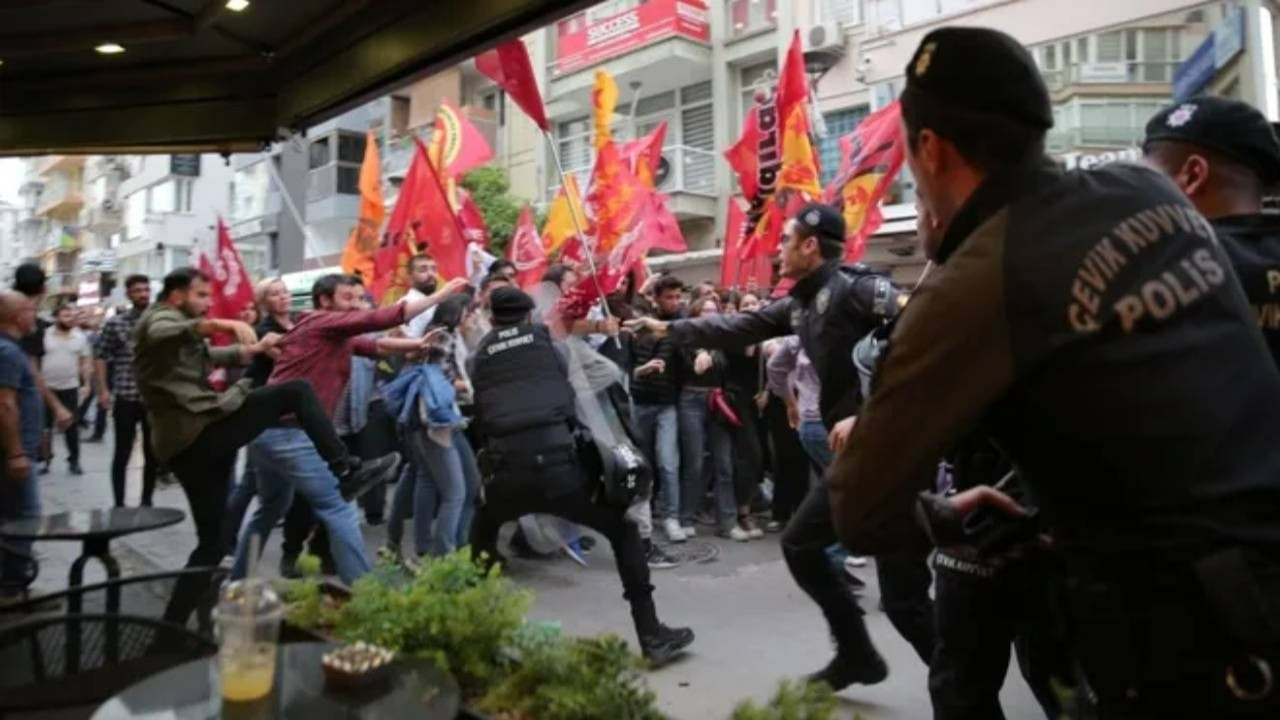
{"x": 520, "y": 381}
{"x": 1252, "y": 243}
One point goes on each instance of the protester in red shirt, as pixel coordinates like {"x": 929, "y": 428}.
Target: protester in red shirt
{"x": 318, "y": 349}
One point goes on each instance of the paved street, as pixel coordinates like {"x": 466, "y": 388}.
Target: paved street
{"x": 754, "y": 626}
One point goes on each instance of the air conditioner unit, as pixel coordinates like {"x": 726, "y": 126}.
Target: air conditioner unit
{"x": 825, "y": 36}
{"x": 823, "y": 46}
{"x": 664, "y": 177}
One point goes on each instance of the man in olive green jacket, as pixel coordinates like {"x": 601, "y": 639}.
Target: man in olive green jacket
{"x": 197, "y": 430}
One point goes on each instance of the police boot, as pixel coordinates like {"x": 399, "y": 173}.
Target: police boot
{"x": 658, "y": 643}
{"x": 856, "y": 661}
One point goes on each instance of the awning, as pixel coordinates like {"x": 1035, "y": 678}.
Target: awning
{"x": 194, "y": 75}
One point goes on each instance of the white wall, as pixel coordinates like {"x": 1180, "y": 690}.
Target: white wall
{"x": 177, "y": 228}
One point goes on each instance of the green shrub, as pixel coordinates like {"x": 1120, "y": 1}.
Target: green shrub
{"x": 573, "y": 679}
{"x": 792, "y": 701}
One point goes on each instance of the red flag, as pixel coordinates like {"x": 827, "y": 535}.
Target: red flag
{"x": 629, "y": 253}
{"x": 473, "y": 224}
{"x": 510, "y": 67}
{"x": 230, "y": 284}
{"x": 735, "y": 270}
{"x": 615, "y": 197}
{"x": 526, "y": 251}
{"x": 666, "y": 229}
{"x": 757, "y": 156}
{"x": 456, "y": 145}
{"x": 870, "y": 158}
{"x": 422, "y": 217}
{"x": 645, "y": 154}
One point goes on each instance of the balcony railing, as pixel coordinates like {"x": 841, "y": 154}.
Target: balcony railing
{"x": 689, "y": 170}
{"x": 102, "y": 215}
{"x": 1064, "y": 139}
{"x": 1111, "y": 73}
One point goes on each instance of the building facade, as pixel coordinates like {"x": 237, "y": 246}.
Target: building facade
{"x": 1109, "y": 67}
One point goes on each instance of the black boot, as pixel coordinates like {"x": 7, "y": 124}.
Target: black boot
{"x": 664, "y": 644}
{"x": 360, "y": 476}
{"x": 842, "y": 672}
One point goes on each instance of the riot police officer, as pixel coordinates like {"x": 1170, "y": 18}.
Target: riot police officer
{"x": 830, "y": 307}
{"x": 1090, "y": 323}
{"x": 1223, "y": 154}
{"x": 524, "y": 406}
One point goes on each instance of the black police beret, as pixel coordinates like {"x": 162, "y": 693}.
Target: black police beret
{"x": 980, "y": 70}
{"x": 1233, "y": 128}
{"x": 822, "y": 220}
{"x": 509, "y": 304}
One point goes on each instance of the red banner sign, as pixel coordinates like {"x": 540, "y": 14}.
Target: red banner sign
{"x": 582, "y": 44}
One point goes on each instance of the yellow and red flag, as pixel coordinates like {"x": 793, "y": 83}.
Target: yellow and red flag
{"x": 422, "y": 220}
{"x": 616, "y": 194}
{"x": 604, "y": 98}
{"x": 870, "y": 158}
{"x": 560, "y": 225}
{"x": 456, "y": 145}
{"x": 760, "y": 152}
{"x": 357, "y": 257}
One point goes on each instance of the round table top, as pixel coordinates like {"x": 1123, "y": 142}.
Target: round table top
{"x": 414, "y": 689}
{"x": 90, "y": 524}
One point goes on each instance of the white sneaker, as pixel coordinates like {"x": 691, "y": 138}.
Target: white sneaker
{"x": 690, "y": 532}
{"x": 674, "y": 532}
{"x": 855, "y": 561}
{"x": 735, "y": 533}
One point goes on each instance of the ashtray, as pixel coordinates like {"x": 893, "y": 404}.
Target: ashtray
{"x": 356, "y": 666}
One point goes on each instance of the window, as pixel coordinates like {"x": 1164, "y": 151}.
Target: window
{"x": 349, "y": 179}
{"x": 351, "y": 148}
{"x": 1082, "y": 50}
{"x": 839, "y": 124}
{"x": 161, "y": 197}
{"x": 653, "y": 104}
{"x": 182, "y": 190}
{"x": 750, "y": 16}
{"x": 181, "y": 257}
{"x": 319, "y": 153}
{"x": 1050, "y": 57}
{"x": 1110, "y": 47}
{"x": 608, "y": 9}
{"x": 843, "y": 12}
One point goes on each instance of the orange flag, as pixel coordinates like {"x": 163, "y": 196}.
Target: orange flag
{"x": 456, "y": 145}
{"x": 615, "y": 197}
{"x": 560, "y": 225}
{"x": 604, "y": 98}
{"x": 362, "y": 243}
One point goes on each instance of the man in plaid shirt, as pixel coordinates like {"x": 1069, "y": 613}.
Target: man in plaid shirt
{"x": 115, "y": 352}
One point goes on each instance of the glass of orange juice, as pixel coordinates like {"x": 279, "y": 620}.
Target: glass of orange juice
{"x": 248, "y": 626}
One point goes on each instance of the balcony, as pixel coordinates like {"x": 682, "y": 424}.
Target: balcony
{"x": 65, "y": 163}
{"x": 64, "y": 239}
{"x": 60, "y": 197}
{"x": 1110, "y": 73}
{"x": 688, "y": 177}
{"x": 104, "y": 216}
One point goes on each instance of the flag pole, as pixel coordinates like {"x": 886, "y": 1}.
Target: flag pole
{"x": 577, "y": 224}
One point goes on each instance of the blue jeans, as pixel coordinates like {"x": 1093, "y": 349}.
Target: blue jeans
{"x": 18, "y": 500}
{"x": 286, "y": 460}
{"x": 813, "y": 438}
{"x": 657, "y": 428}
{"x": 242, "y": 496}
{"x": 701, "y": 433}
{"x": 443, "y": 488}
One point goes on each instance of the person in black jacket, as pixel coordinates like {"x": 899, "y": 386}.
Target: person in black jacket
{"x": 1223, "y": 153}
{"x": 655, "y": 392}
{"x": 1090, "y": 323}
{"x": 830, "y": 307}
{"x": 525, "y": 408}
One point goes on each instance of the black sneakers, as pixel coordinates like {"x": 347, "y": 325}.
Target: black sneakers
{"x": 840, "y": 673}
{"x": 363, "y": 475}
{"x": 665, "y": 644}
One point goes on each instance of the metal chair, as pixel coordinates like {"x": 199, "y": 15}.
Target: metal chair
{"x": 59, "y": 661}
{"x": 84, "y": 598}
{"x": 30, "y": 570}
